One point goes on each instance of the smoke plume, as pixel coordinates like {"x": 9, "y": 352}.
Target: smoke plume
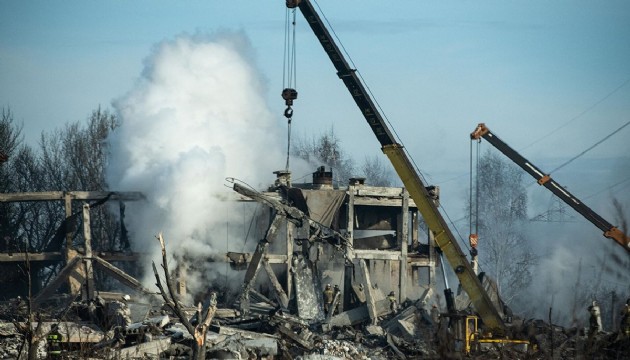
{"x": 196, "y": 116}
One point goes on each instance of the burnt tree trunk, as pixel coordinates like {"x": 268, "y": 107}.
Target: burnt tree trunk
{"x": 198, "y": 332}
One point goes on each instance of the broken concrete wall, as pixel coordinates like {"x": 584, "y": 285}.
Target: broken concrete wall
{"x": 308, "y": 290}
{"x": 384, "y": 275}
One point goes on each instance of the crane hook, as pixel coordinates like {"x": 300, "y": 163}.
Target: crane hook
{"x": 288, "y": 113}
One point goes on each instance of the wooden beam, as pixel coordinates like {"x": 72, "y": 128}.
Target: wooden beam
{"x": 57, "y": 281}
{"x": 376, "y": 201}
{"x": 350, "y": 219}
{"x": 77, "y": 277}
{"x": 376, "y": 254}
{"x": 121, "y": 276}
{"x": 256, "y": 260}
{"x": 414, "y": 230}
{"x": 87, "y": 260}
{"x": 116, "y": 256}
{"x": 182, "y": 275}
{"x": 288, "y": 263}
{"x": 21, "y": 257}
{"x": 404, "y": 241}
{"x": 261, "y": 250}
{"x": 421, "y": 262}
{"x": 75, "y": 195}
{"x": 58, "y": 256}
{"x": 283, "y": 299}
{"x": 369, "y": 292}
{"x": 349, "y": 269}
{"x": 68, "y": 210}
{"x": 390, "y": 192}
{"x": 245, "y": 258}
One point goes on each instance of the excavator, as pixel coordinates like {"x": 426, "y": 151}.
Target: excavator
{"x": 494, "y": 330}
{"x": 610, "y": 231}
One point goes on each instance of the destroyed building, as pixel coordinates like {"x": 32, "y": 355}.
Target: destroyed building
{"x": 379, "y": 224}
{"x": 364, "y": 240}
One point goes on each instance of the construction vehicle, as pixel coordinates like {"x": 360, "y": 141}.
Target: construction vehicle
{"x": 443, "y": 237}
{"x": 610, "y": 231}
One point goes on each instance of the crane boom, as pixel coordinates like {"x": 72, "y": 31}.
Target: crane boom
{"x": 545, "y": 180}
{"x": 406, "y": 171}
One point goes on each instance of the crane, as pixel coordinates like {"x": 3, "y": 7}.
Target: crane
{"x": 610, "y": 231}
{"x": 399, "y": 158}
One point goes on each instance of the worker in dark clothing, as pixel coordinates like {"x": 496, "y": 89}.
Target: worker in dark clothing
{"x": 336, "y": 291}
{"x": 53, "y": 340}
{"x": 435, "y": 315}
{"x": 329, "y": 296}
{"x": 393, "y": 302}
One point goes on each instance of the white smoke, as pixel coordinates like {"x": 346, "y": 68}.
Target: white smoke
{"x": 196, "y": 116}
{"x": 578, "y": 264}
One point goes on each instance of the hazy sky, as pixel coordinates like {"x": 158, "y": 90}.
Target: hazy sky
{"x": 525, "y": 68}
{"x": 437, "y": 68}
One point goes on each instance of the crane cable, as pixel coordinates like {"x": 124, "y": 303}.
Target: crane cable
{"x": 590, "y": 148}
{"x": 477, "y": 171}
{"x": 474, "y": 236}
{"x": 584, "y": 112}
{"x": 289, "y": 73}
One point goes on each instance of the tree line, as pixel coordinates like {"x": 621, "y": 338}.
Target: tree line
{"x": 68, "y": 159}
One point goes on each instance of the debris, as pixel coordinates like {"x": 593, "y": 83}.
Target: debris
{"x": 150, "y": 349}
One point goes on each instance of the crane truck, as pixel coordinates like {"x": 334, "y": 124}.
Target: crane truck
{"x": 494, "y": 329}
{"x": 610, "y": 231}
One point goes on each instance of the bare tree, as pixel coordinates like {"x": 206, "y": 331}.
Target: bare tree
{"x": 326, "y": 150}
{"x": 10, "y": 140}
{"x": 169, "y": 295}
{"x": 73, "y": 158}
{"x": 504, "y": 251}
{"x": 30, "y": 330}
{"x": 11, "y": 215}
{"x": 378, "y": 173}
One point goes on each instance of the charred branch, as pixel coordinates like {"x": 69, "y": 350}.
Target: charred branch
{"x": 199, "y": 331}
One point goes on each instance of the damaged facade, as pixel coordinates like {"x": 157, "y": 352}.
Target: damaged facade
{"x": 360, "y": 224}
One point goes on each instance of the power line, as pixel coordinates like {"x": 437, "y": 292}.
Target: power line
{"x": 590, "y": 148}
{"x": 580, "y": 114}
{"x": 610, "y": 187}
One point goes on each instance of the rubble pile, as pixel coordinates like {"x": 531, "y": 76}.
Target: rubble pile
{"x": 10, "y": 341}
{"x": 271, "y": 334}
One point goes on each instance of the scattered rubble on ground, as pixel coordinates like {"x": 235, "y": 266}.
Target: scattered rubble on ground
{"x": 276, "y": 334}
